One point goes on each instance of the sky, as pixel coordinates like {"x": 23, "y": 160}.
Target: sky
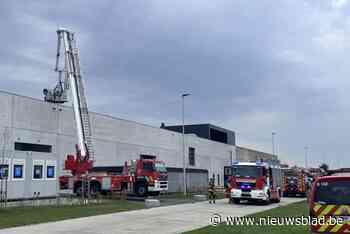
{"x": 255, "y": 67}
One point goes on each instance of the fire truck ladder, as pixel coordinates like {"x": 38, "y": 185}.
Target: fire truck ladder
{"x": 72, "y": 67}
{"x": 84, "y": 113}
{"x": 74, "y": 81}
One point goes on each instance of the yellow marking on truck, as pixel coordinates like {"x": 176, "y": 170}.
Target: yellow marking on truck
{"x": 317, "y": 207}
{"x": 336, "y": 228}
{"x": 326, "y": 210}
{"x": 341, "y": 209}
{"x": 324, "y": 227}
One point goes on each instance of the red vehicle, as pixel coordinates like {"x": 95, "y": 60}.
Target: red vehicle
{"x": 255, "y": 181}
{"x": 330, "y": 199}
{"x": 139, "y": 176}
{"x": 142, "y": 177}
{"x": 294, "y": 182}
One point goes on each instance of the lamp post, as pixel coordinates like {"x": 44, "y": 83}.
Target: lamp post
{"x": 306, "y": 159}
{"x": 273, "y": 143}
{"x": 183, "y": 142}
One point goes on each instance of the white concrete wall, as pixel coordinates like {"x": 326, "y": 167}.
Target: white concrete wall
{"x": 119, "y": 140}
{"x": 115, "y": 140}
{"x": 22, "y": 117}
{"x": 246, "y": 155}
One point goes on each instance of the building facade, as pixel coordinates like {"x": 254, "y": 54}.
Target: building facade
{"x": 36, "y": 137}
{"x": 39, "y": 135}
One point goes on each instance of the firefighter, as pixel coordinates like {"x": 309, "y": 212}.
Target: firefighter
{"x": 211, "y": 191}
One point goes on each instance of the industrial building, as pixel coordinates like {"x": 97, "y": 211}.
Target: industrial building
{"x": 36, "y": 136}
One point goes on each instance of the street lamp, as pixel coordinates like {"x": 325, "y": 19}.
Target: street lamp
{"x": 273, "y": 143}
{"x": 183, "y": 141}
{"x": 306, "y": 159}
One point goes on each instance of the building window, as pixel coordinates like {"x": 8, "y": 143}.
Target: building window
{"x": 218, "y": 179}
{"x": 50, "y": 172}
{"x": 191, "y": 156}
{"x": 147, "y": 156}
{"x": 227, "y": 171}
{"x": 20, "y": 146}
{"x": 17, "y": 171}
{"x": 38, "y": 172}
{"x": 38, "y": 169}
{"x": 4, "y": 171}
{"x": 217, "y": 135}
{"x": 50, "y": 169}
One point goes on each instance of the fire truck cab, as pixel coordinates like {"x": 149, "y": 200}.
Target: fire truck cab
{"x": 295, "y": 182}
{"x": 148, "y": 176}
{"x": 330, "y": 198}
{"x": 255, "y": 181}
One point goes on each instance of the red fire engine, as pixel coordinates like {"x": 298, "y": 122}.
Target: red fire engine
{"x": 294, "y": 182}
{"x": 142, "y": 177}
{"x": 139, "y": 176}
{"x": 255, "y": 181}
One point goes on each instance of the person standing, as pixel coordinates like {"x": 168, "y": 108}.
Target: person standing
{"x": 211, "y": 191}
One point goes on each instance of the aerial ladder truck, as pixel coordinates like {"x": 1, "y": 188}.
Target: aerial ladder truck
{"x": 82, "y": 162}
{"x": 140, "y": 176}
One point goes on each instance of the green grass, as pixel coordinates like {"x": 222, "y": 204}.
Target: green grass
{"x": 295, "y": 209}
{"x": 18, "y": 216}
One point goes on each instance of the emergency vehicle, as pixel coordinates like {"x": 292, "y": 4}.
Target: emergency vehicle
{"x": 330, "y": 197}
{"x": 254, "y": 181}
{"x": 295, "y": 182}
{"x": 139, "y": 176}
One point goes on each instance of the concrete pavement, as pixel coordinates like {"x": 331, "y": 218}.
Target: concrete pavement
{"x": 168, "y": 219}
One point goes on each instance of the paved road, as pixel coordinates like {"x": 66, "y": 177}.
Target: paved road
{"x": 169, "y": 219}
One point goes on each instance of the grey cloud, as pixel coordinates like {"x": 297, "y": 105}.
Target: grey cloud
{"x": 253, "y": 66}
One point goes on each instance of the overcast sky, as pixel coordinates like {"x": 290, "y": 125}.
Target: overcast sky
{"x": 252, "y": 66}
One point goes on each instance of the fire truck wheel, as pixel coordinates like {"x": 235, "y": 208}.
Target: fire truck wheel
{"x": 268, "y": 200}
{"x": 278, "y": 199}
{"x": 156, "y": 193}
{"x": 236, "y": 201}
{"x": 95, "y": 188}
{"x": 78, "y": 189}
{"x": 279, "y": 196}
{"x": 141, "y": 189}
